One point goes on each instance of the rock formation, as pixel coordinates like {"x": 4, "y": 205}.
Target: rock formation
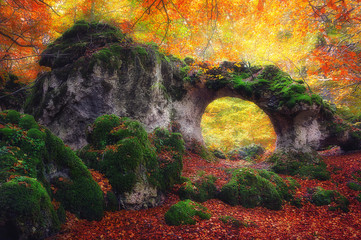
{"x": 97, "y": 70}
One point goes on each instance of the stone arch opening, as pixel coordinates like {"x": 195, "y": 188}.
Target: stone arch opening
{"x": 229, "y": 123}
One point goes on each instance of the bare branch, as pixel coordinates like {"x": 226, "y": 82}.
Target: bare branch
{"x": 15, "y": 41}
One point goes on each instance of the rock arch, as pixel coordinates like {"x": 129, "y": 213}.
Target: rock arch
{"x": 129, "y": 79}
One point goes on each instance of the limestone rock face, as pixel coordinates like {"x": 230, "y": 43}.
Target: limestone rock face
{"x": 138, "y": 81}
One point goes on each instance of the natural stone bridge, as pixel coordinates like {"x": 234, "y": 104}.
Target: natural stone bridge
{"x": 96, "y": 70}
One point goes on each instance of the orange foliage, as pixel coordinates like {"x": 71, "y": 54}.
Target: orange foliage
{"x": 24, "y": 28}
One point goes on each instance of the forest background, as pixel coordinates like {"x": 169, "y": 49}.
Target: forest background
{"x": 317, "y": 41}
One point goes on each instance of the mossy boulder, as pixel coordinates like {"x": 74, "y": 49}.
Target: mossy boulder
{"x": 26, "y": 209}
{"x": 75, "y": 41}
{"x": 251, "y": 188}
{"x": 200, "y": 190}
{"x": 333, "y": 198}
{"x": 308, "y": 165}
{"x": 31, "y": 156}
{"x": 186, "y": 213}
{"x": 138, "y": 169}
{"x": 170, "y": 149}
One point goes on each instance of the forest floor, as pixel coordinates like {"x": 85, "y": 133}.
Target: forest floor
{"x": 308, "y": 222}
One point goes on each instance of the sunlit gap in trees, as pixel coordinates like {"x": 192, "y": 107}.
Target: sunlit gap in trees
{"x": 230, "y": 123}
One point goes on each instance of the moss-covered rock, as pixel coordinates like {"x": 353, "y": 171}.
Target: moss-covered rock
{"x": 170, "y": 149}
{"x": 75, "y": 41}
{"x": 200, "y": 190}
{"x": 26, "y": 205}
{"x": 320, "y": 197}
{"x": 185, "y": 213}
{"x": 32, "y": 156}
{"x": 251, "y": 188}
{"x": 137, "y": 170}
{"x": 234, "y": 222}
{"x": 301, "y": 164}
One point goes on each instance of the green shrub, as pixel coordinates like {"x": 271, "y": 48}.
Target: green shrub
{"x": 184, "y": 212}
{"x": 25, "y": 203}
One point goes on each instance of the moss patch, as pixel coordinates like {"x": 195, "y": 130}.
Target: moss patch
{"x": 251, "y": 188}
{"x": 200, "y": 190}
{"x": 74, "y": 43}
{"x": 320, "y": 197}
{"x": 301, "y": 164}
{"x": 185, "y": 212}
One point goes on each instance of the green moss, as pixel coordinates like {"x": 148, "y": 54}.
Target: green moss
{"x": 288, "y": 91}
{"x": 7, "y": 133}
{"x": 184, "y": 212}
{"x": 80, "y": 27}
{"x": 251, "y": 188}
{"x": 354, "y": 186}
{"x": 170, "y": 166}
{"x": 12, "y": 116}
{"x": 25, "y": 203}
{"x": 27, "y": 122}
{"x": 308, "y": 165}
{"x": 35, "y": 133}
{"x": 80, "y": 194}
{"x": 119, "y": 165}
{"x": 234, "y": 222}
{"x": 140, "y": 50}
{"x": 199, "y": 191}
{"x": 229, "y": 193}
{"x": 322, "y": 197}
{"x": 164, "y": 140}
{"x": 111, "y": 202}
{"x": 99, "y": 135}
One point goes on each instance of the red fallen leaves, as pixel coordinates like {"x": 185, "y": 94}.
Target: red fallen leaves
{"x": 101, "y": 180}
{"x": 308, "y": 222}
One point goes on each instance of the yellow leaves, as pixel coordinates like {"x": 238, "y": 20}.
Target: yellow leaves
{"x": 230, "y": 122}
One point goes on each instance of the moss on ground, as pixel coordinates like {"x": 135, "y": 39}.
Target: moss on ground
{"x": 200, "y": 190}
{"x": 308, "y": 165}
{"x": 251, "y": 188}
{"x": 234, "y": 222}
{"x": 320, "y": 197}
{"x": 185, "y": 212}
